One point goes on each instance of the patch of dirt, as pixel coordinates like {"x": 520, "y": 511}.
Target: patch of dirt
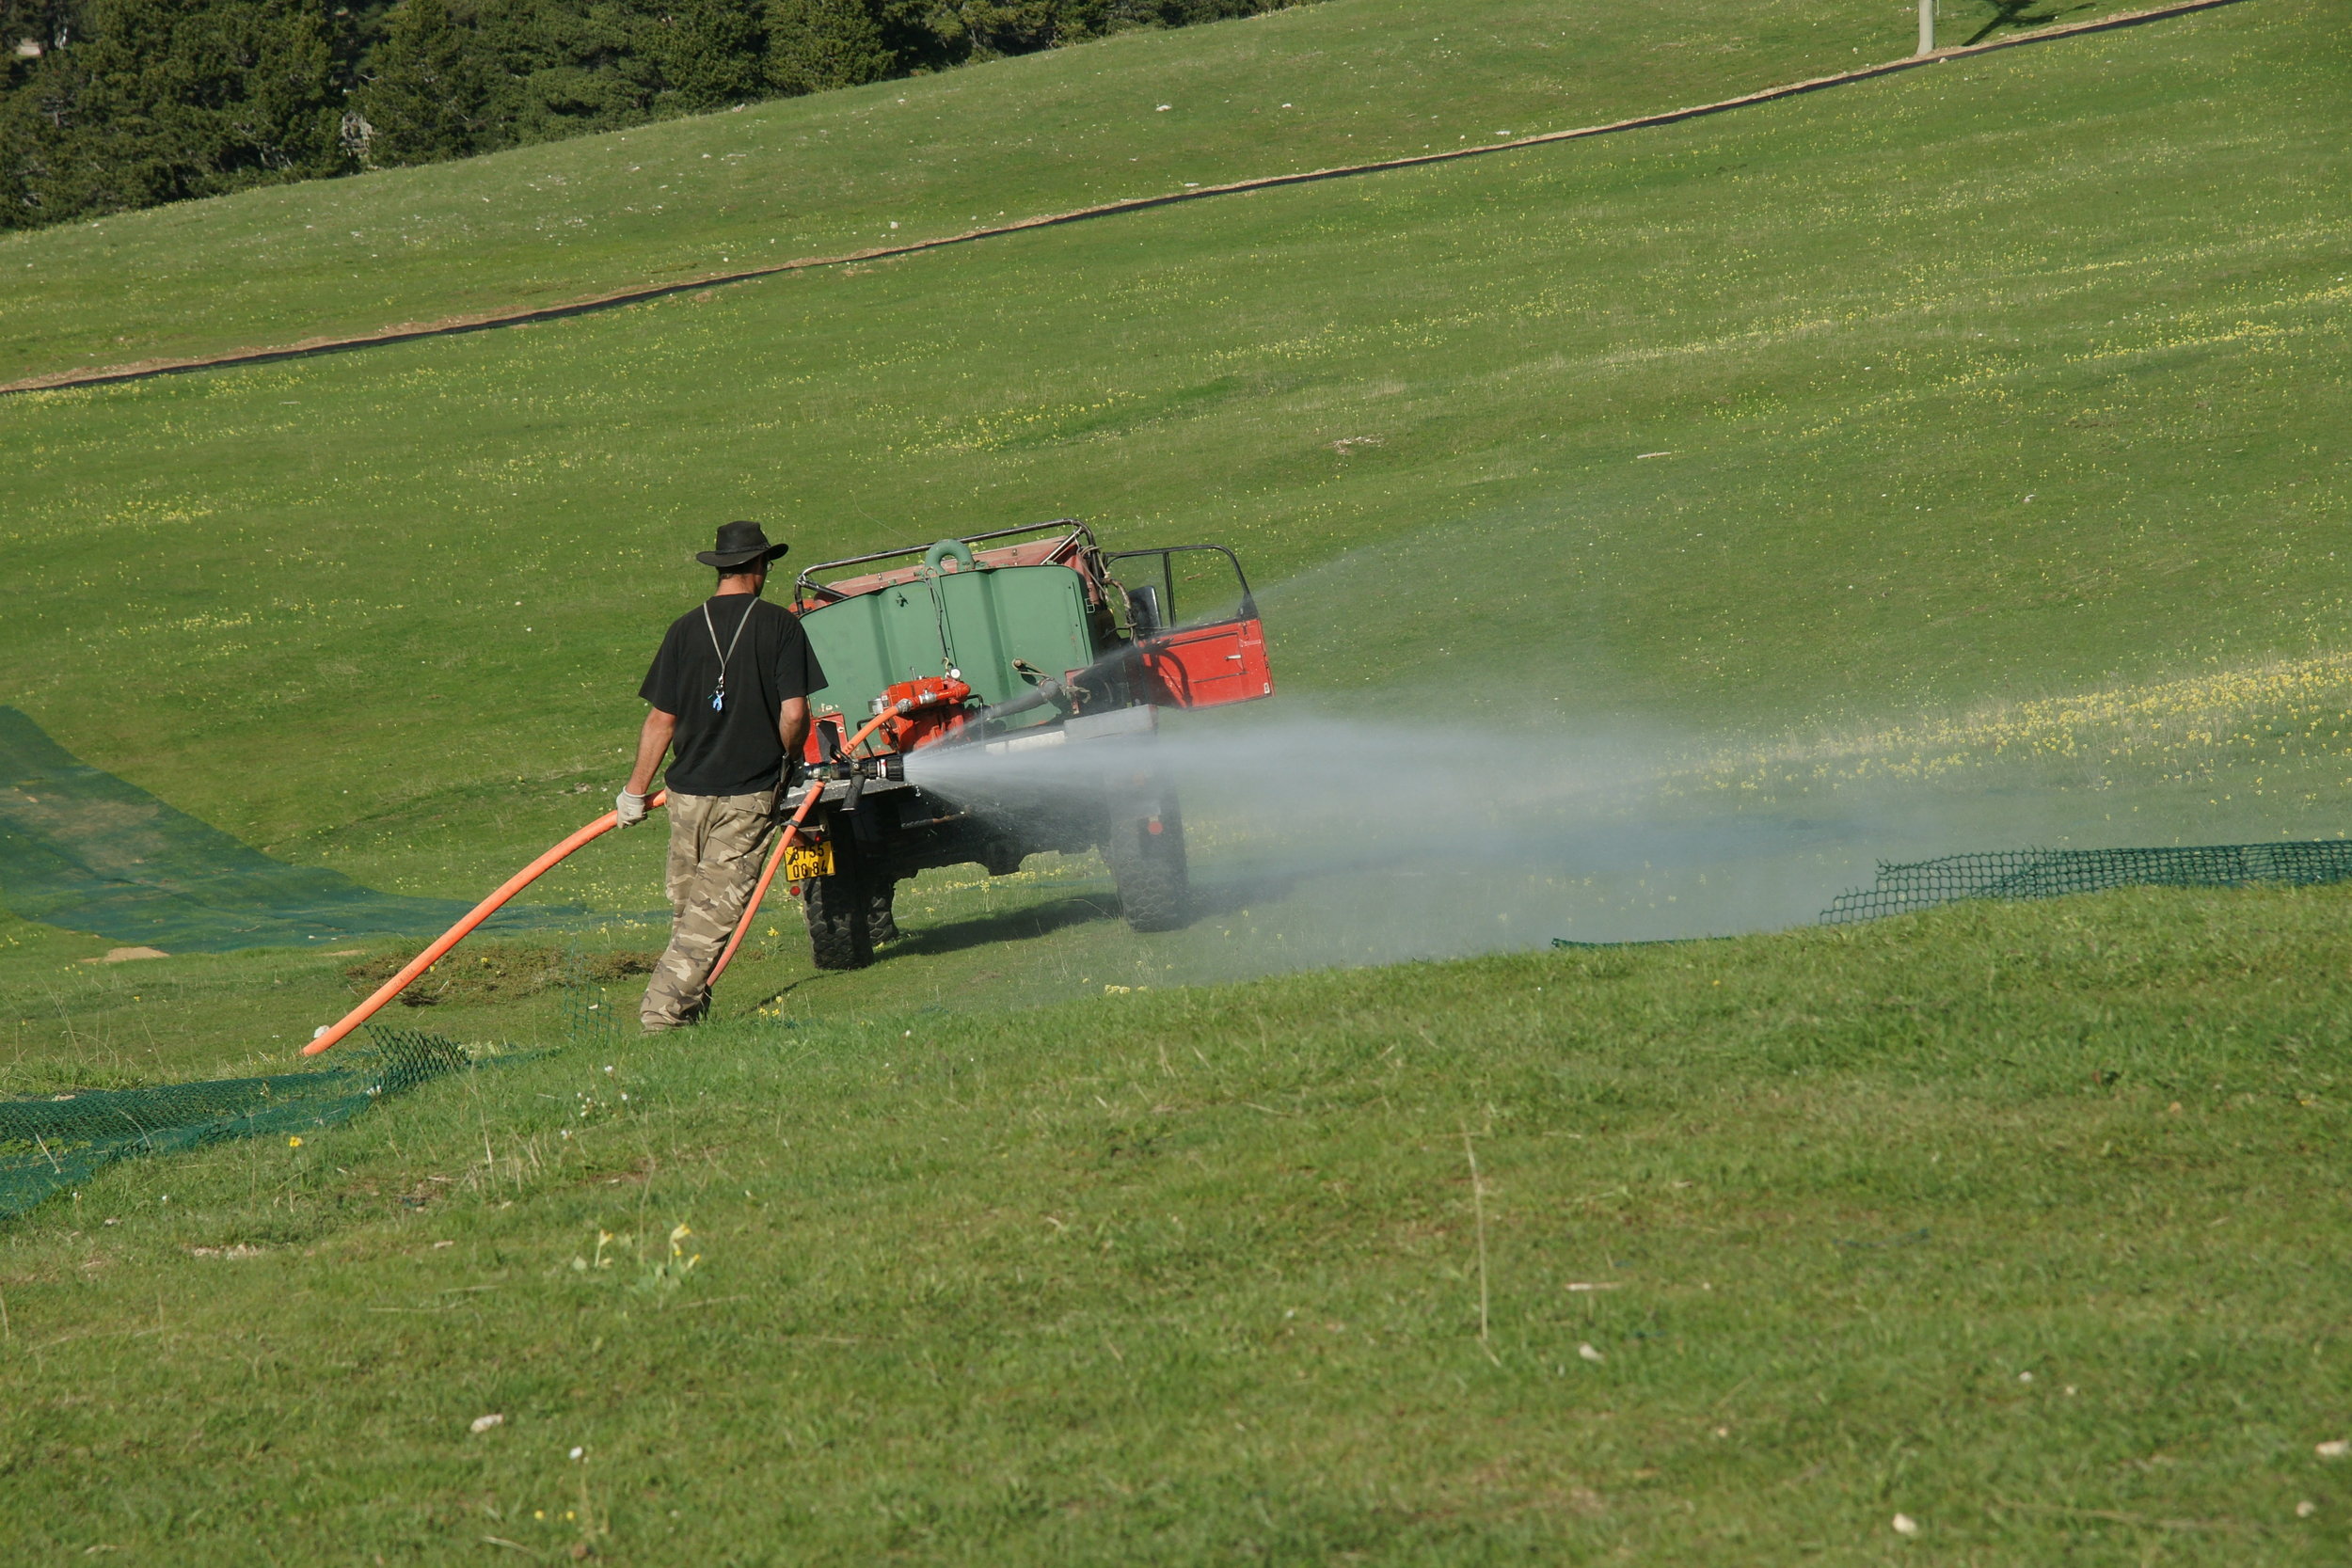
{"x": 497, "y": 972}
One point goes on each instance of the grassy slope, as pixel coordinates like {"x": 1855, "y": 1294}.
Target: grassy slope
{"x": 1191, "y": 1274}
{"x": 2002, "y": 377}
{"x": 2013, "y": 1220}
{"x": 1357, "y": 79}
{"x": 286, "y": 598}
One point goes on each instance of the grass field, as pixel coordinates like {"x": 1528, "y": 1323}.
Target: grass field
{"x": 2116, "y": 292}
{"x": 2014, "y": 1222}
{"x": 1952, "y": 460}
{"x": 1359, "y": 80}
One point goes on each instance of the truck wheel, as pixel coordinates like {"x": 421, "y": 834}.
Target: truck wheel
{"x": 840, "y": 909}
{"x": 840, "y": 933}
{"x": 881, "y": 922}
{"x": 1148, "y": 868}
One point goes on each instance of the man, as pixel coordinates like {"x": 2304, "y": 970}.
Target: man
{"x": 729, "y": 695}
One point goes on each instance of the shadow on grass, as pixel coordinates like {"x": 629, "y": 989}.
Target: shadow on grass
{"x": 1038, "y": 920}
{"x": 2015, "y": 14}
{"x": 1224, "y": 897}
{"x": 1233, "y": 894}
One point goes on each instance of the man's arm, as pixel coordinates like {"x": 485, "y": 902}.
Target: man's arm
{"x": 653, "y": 744}
{"x": 792, "y": 729}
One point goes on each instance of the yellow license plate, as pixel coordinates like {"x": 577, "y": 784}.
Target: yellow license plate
{"x": 802, "y": 861}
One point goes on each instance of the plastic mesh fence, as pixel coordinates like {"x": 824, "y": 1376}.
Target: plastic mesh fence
{"x": 47, "y": 1145}
{"x": 593, "y": 1010}
{"x": 85, "y": 850}
{"x": 2017, "y": 873}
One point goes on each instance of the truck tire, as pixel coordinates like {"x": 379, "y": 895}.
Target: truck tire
{"x": 881, "y": 921}
{"x": 839, "y": 924}
{"x": 1154, "y": 893}
{"x": 840, "y": 911}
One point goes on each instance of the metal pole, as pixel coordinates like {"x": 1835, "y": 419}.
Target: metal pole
{"x": 1927, "y": 26}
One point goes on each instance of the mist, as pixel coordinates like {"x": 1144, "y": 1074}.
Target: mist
{"x": 1317, "y": 839}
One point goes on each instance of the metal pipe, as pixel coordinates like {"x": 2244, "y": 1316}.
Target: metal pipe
{"x": 808, "y": 579}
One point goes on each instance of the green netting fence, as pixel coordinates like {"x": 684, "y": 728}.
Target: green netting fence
{"x": 2018, "y": 874}
{"x": 48, "y": 1146}
{"x": 85, "y": 850}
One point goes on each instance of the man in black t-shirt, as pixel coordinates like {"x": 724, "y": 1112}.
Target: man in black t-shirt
{"x": 729, "y": 699}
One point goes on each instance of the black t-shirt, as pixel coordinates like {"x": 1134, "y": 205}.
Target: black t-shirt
{"x": 733, "y": 751}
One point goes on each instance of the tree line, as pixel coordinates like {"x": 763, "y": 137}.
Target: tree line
{"x": 108, "y": 105}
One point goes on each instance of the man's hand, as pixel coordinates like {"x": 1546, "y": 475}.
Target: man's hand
{"x": 628, "y": 809}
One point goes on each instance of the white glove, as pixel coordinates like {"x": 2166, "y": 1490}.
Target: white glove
{"x": 629, "y": 808}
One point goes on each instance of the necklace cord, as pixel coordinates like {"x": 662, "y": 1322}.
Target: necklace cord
{"x": 728, "y": 653}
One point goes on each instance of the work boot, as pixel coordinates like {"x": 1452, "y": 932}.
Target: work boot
{"x": 662, "y": 1013}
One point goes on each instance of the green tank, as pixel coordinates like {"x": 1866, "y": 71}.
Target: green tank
{"x": 962, "y": 620}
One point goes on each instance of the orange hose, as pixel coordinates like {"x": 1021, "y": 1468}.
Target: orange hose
{"x": 532, "y": 872}
{"x": 791, "y": 834}
{"x": 456, "y": 933}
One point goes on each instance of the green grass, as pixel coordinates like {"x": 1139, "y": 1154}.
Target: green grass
{"x": 1866, "y": 326}
{"x": 383, "y": 611}
{"x": 1356, "y": 80}
{"x": 2012, "y": 1220}
{"x": 1000, "y": 1263}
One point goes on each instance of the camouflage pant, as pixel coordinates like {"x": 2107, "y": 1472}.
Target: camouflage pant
{"x": 717, "y": 842}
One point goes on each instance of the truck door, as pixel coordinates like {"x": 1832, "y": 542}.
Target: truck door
{"x": 1195, "y": 626}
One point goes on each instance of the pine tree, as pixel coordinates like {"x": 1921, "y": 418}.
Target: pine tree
{"x": 815, "y": 45}
{"x": 426, "y": 95}
{"x": 109, "y": 104}
{"x": 163, "y": 100}
{"x": 690, "y": 56}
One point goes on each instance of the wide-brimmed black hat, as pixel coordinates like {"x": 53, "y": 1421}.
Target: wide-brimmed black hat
{"x": 740, "y": 545}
